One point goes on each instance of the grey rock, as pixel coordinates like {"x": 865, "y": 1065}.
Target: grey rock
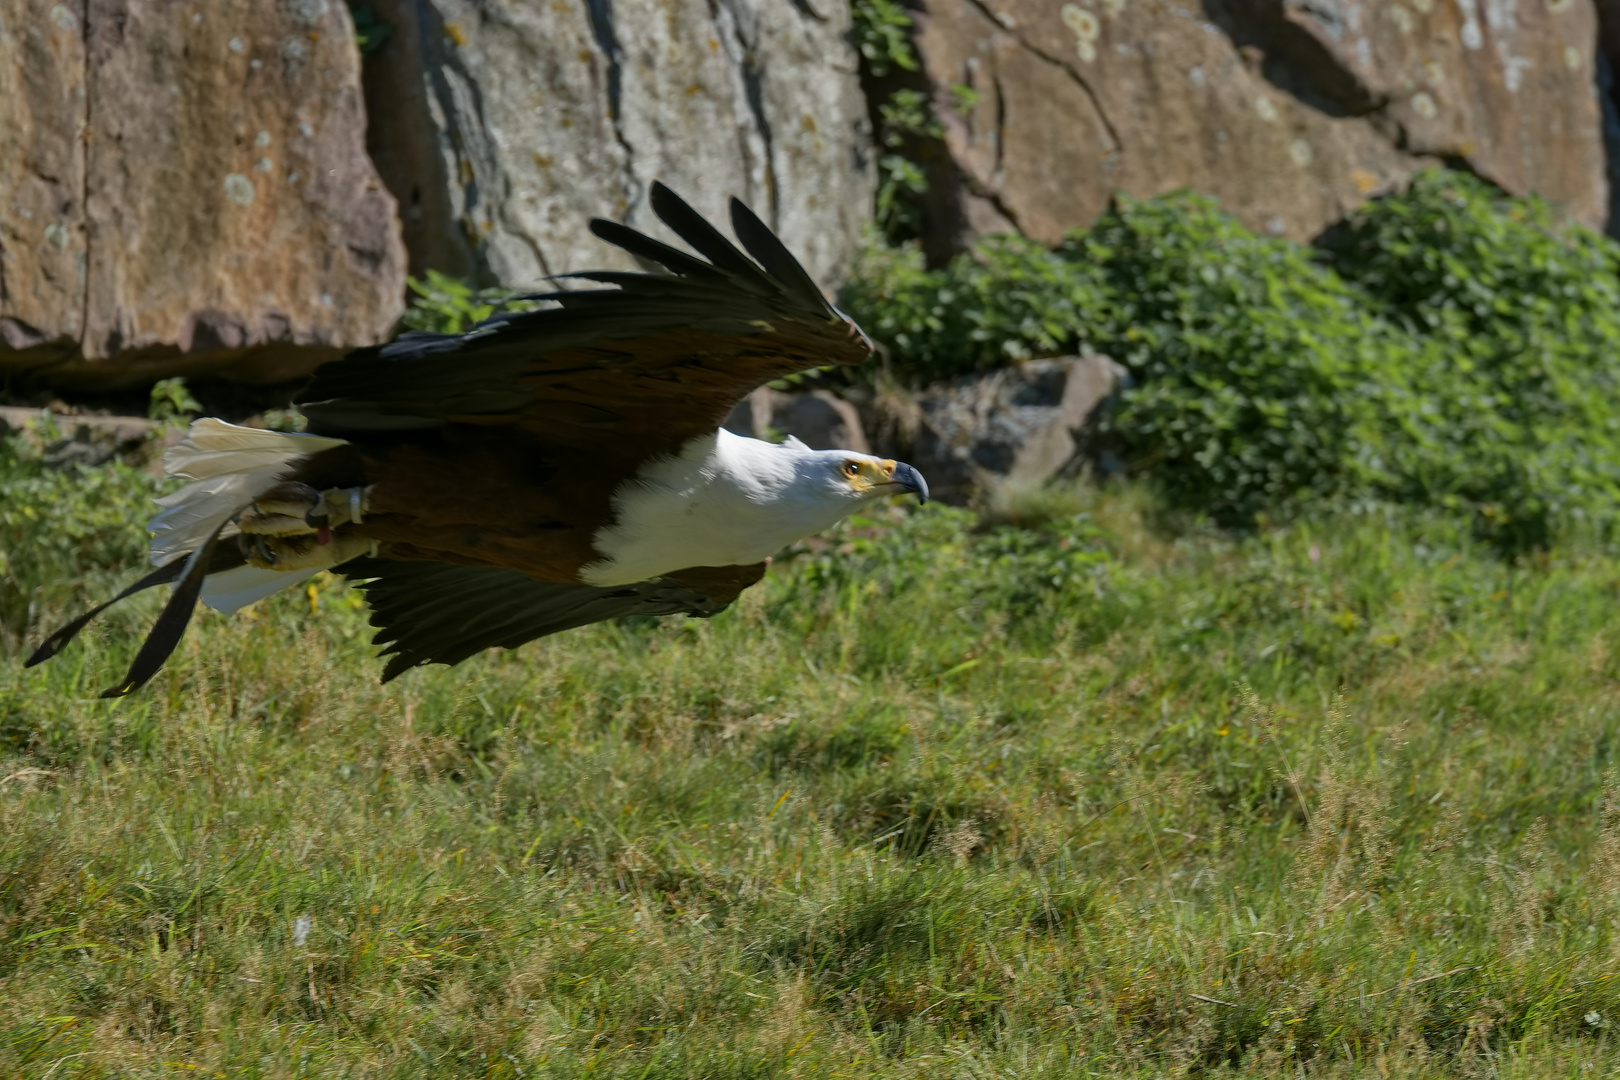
{"x": 819, "y": 419}
{"x": 1015, "y": 427}
{"x": 509, "y": 126}
{"x": 43, "y": 103}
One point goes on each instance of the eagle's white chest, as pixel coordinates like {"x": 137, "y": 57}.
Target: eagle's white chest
{"x": 724, "y": 501}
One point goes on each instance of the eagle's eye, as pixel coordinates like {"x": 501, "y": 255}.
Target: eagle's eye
{"x": 852, "y": 469}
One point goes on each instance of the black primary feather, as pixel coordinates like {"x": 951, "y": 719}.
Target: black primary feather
{"x": 773, "y": 255}
{"x": 440, "y": 613}
{"x": 60, "y": 639}
{"x": 220, "y": 561}
{"x": 171, "y": 625}
{"x": 672, "y": 259}
{"x": 708, "y": 241}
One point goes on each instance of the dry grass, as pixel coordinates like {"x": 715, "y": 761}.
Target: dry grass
{"x": 1336, "y": 800}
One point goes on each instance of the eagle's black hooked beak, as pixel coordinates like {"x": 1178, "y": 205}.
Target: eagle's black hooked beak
{"x": 910, "y": 480}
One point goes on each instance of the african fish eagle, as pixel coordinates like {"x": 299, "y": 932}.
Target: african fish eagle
{"x": 543, "y": 471}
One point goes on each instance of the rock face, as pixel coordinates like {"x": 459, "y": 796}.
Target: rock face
{"x": 510, "y": 125}
{"x": 185, "y": 189}
{"x": 1017, "y": 427}
{"x": 1290, "y": 112}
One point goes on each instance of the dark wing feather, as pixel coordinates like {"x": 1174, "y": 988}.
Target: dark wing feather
{"x": 439, "y": 613}
{"x": 219, "y": 561}
{"x": 691, "y": 226}
{"x": 672, "y": 259}
{"x": 772, "y": 254}
{"x": 172, "y": 622}
{"x": 641, "y": 366}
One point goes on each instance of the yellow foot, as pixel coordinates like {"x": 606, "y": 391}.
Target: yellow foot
{"x": 292, "y": 527}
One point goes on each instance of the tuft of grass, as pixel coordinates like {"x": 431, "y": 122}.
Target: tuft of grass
{"x": 942, "y": 797}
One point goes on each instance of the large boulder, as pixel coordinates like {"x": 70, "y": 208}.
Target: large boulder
{"x": 1013, "y": 428}
{"x": 818, "y": 418}
{"x": 509, "y": 126}
{"x": 185, "y": 189}
{"x": 1291, "y": 113}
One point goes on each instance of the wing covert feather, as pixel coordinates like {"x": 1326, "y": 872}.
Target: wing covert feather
{"x": 441, "y": 613}
{"x": 650, "y": 362}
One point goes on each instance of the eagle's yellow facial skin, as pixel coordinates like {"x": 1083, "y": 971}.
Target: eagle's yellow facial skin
{"x": 865, "y": 475}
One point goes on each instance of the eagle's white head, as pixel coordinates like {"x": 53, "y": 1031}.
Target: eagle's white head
{"x": 841, "y": 478}
{"x": 727, "y": 500}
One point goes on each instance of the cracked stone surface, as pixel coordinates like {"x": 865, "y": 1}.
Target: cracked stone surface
{"x": 511, "y": 125}
{"x": 185, "y": 189}
{"x": 1016, "y": 427}
{"x": 1291, "y": 113}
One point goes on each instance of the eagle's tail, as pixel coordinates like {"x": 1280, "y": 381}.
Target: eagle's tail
{"x": 239, "y": 531}
{"x": 237, "y": 485}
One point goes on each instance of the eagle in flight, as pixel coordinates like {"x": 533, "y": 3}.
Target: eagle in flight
{"x": 543, "y": 471}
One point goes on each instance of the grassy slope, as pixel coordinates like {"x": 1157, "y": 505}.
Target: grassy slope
{"x": 910, "y": 809}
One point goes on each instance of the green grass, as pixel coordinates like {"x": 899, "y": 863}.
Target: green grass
{"x": 943, "y": 798}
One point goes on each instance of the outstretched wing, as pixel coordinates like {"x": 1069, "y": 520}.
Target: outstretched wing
{"x": 439, "y": 613}
{"x": 643, "y": 366}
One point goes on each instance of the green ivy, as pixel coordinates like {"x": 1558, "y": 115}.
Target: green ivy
{"x": 1448, "y": 347}
{"x": 904, "y": 118}
{"x": 445, "y": 305}
{"x": 882, "y": 32}
{"x": 171, "y": 402}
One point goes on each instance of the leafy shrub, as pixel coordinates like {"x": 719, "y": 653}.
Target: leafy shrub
{"x": 1448, "y": 346}
{"x": 1513, "y": 409}
{"x": 61, "y": 528}
{"x": 1012, "y": 299}
{"x": 445, "y": 305}
{"x": 172, "y": 403}
{"x": 1261, "y": 376}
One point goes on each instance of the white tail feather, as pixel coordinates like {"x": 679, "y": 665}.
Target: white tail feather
{"x": 232, "y": 590}
{"x": 228, "y": 467}
{"x": 213, "y": 448}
